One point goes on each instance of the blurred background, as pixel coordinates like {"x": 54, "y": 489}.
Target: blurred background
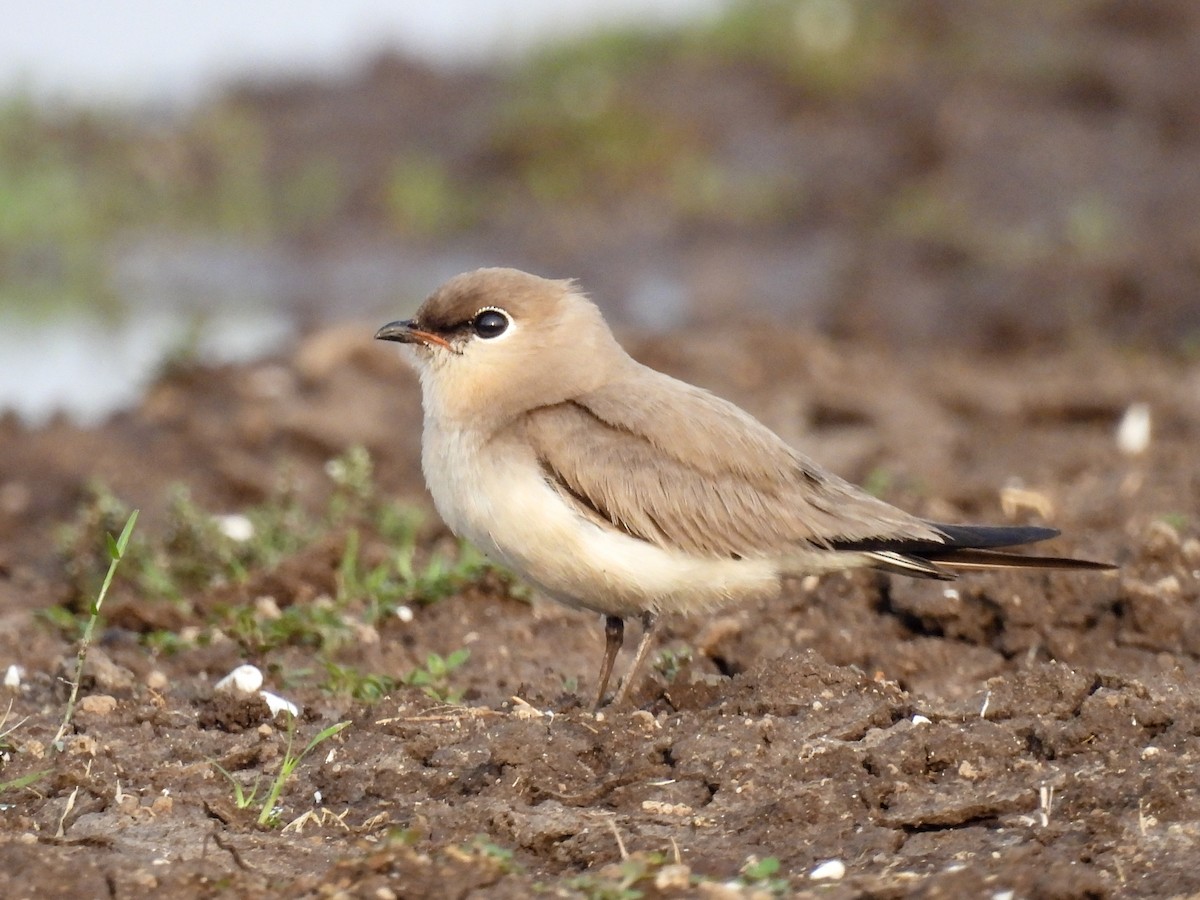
{"x": 206, "y": 181}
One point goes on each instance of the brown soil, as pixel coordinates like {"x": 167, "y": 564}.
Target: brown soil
{"x": 1062, "y": 738}
{"x": 1023, "y": 734}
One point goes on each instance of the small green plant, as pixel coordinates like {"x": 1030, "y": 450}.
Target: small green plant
{"x": 243, "y": 798}
{"x": 352, "y": 475}
{"x": 434, "y": 676}
{"x": 163, "y": 642}
{"x": 84, "y": 558}
{"x": 619, "y": 881}
{"x": 384, "y": 567}
{"x": 319, "y": 624}
{"x": 399, "y": 580}
{"x": 22, "y": 782}
{"x": 671, "y": 660}
{"x": 764, "y": 874}
{"x": 269, "y": 814}
{"x": 365, "y": 686}
{"x": 116, "y": 552}
{"x": 502, "y": 857}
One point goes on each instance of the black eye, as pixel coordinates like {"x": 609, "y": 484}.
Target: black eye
{"x": 490, "y": 323}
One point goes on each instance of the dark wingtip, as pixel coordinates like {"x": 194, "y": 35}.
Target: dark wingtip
{"x": 975, "y": 537}
{"x": 982, "y": 537}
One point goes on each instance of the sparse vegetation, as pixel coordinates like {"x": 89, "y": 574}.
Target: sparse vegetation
{"x": 366, "y": 686}
{"x": 244, "y": 796}
{"x": 642, "y": 874}
{"x": 383, "y": 569}
{"x": 577, "y": 124}
{"x": 764, "y": 874}
{"x": 433, "y": 677}
{"x": 619, "y": 881}
{"x": 270, "y": 812}
{"x": 485, "y": 847}
{"x": 6, "y": 749}
{"x": 116, "y": 552}
{"x": 671, "y": 660}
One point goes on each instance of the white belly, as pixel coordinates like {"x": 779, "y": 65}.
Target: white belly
{"x": 497, "y": 499}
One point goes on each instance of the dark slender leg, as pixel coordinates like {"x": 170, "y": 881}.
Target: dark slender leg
{"x": 614, "y": 636}
{"x": 649, "y": 620}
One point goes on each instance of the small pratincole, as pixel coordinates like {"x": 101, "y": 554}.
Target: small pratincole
{"x": 615, "y": 488}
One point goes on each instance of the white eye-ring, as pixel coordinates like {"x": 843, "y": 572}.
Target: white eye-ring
{"x": 490, "y": 322}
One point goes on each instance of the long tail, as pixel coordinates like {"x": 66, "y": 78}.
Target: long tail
{"x": 967, "y": 547}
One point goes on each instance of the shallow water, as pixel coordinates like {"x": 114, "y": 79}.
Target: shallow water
{"x": 213, "y": 299}
{"x": 87, "y": 366}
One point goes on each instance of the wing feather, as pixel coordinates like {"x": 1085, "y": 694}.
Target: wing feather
{"x": 673, "y": 465}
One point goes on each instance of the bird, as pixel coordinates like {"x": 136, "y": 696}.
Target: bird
{"x": 612, "y": 487}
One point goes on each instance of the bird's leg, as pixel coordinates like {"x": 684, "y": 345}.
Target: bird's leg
{"x": 614, "y": 636}
{"x": 649, "y": 620}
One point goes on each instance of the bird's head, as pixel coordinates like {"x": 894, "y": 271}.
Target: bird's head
{"x": 494, "y": 343}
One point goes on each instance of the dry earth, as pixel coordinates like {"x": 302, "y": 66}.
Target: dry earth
{"x": 1022, "y": 732}
{"x": 1018, "y": 180}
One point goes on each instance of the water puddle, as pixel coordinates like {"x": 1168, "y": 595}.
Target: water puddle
{"x": 87, "y": 366}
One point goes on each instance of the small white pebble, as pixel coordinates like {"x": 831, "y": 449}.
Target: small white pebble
{"x": 951, "y": 593}
{"x": 245, "y": 678}
{"x": 1133, "y": 433}
{"x": 1003, "y": 895}
{"x": 235, "y": 526}
{"x": 830, "y": 870}
{"x": 404, "y": 614}
{"x": 277, "y": 704}
{"x": 317, "y": 798}
{"x": 919, "y": 719}
{"x": 1149, "y": 752}
{"x": 12, "y": 677}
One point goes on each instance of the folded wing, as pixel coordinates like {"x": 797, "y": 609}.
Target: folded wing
{"x": 676, "y": 466}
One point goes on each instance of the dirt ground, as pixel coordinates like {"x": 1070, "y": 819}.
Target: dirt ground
{"x": 1024, "y": 734}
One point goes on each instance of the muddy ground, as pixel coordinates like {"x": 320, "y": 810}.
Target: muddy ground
{"x": 988, "y": 255}
{"x": 1026, "y": 732}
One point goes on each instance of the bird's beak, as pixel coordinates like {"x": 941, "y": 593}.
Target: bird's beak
{"x": 406, "y": 332}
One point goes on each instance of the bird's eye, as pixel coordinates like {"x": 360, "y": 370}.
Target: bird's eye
{"x": 490, "y": 323}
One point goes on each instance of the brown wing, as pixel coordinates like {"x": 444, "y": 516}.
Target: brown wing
{"x": 676, "y": 466}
